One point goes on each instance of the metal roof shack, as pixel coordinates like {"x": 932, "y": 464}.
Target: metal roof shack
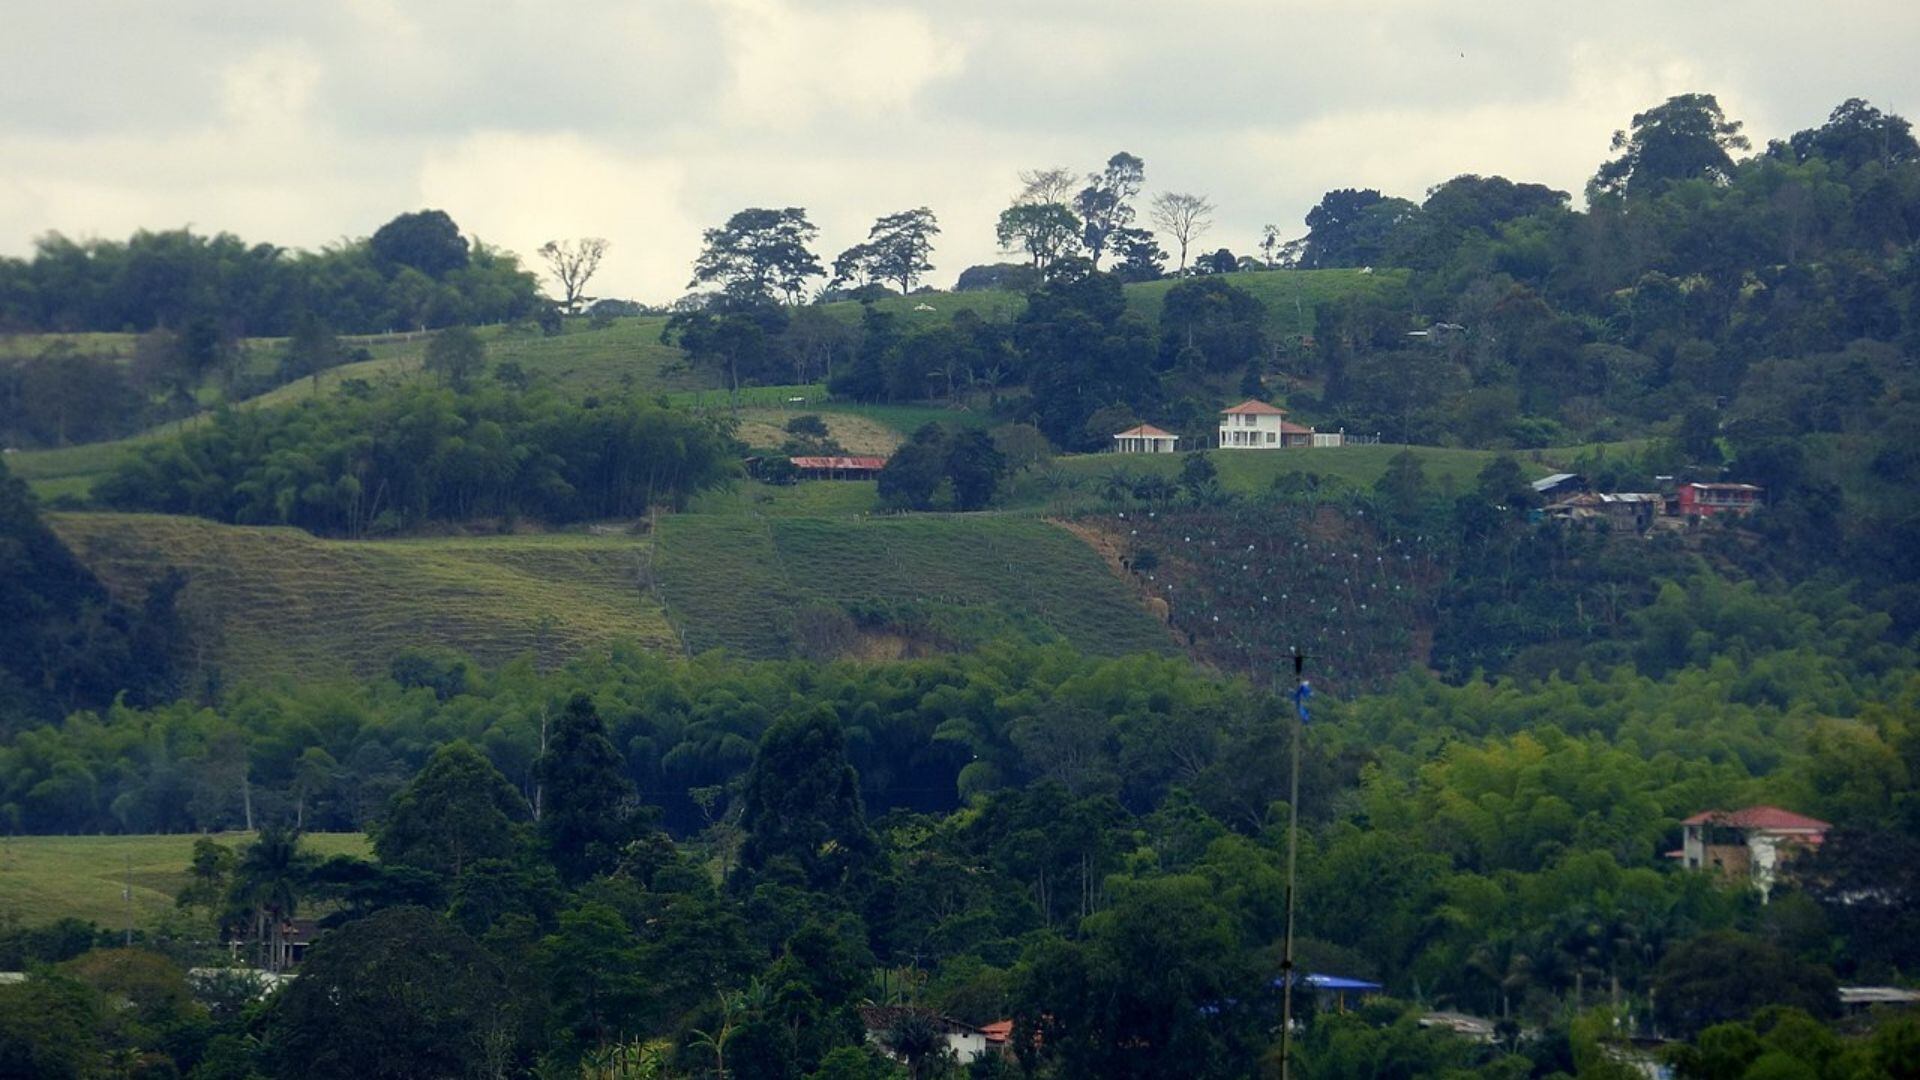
{"x": 837, "y": 467}
{"x": 1559, "y": 483}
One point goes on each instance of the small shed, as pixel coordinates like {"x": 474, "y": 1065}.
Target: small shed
{"x": 838, "y": 467}
{"x": 1145, "y": 439}
{"x": 1559, "y": 486}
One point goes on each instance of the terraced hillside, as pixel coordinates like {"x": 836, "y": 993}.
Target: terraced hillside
{"x": 43, "y": 878}
{"x": 754, "y": 585}
{"x": 266, "y": 603}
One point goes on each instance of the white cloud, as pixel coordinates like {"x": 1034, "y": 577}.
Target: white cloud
{"x": 518, "y": 191}
{"x": 644, "y": 122}
{"x": 791, "y": 65}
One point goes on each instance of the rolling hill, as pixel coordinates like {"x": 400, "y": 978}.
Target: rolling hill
{"x": 265, "y": 603}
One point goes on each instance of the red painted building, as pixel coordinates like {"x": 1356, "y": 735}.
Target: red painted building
{"x": 1712, "y": 500}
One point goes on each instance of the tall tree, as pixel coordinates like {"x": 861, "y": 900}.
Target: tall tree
{"x": 457, "y": 355}
{"x": 1184, "y": 217}
{"x": 900, "y": 244}
{"x": 457, "y": 810}
{"x": 427, "y": 241}
{"x": 268, "y": 880}
{"x": 587, "y": 800}
{"x": 975, "y": 466}
{"x": 401, "y": 993}
{"x": 1684, "y": 138}
{"x": 573, "y": 264}
{"x": 311, "y": 350}
{"x": 1140, "y": 256}
{"x": 1352, "y": 227}
{"x": 1106, "y": 203}
{"x": 759, "y": 254}
{"x": 1045, "y": 231}
{"x": 802, "y": 802}
{"x": 1038, "y": 187}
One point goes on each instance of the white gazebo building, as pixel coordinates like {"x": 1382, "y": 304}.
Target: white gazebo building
{"x": 1145, "y": 439}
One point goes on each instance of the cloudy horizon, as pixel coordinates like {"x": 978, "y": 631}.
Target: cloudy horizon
{"x": 646, "y": 122}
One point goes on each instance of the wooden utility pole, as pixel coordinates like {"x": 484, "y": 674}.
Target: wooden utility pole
{"x": 1301, "y": 692}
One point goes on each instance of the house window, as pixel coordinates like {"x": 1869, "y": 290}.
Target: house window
{"x": 1271, "y": 436}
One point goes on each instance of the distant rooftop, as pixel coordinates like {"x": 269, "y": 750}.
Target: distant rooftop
{"x": 1759, "y": 817}
{"x": 1254, "y": 407}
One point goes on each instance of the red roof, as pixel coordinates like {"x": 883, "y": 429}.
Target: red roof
{"x": 1759, "y": 817}
{"x": 1255, "y": 407}
{"x": 848, "y": 463}
{"x": 1288, "y": 427}
{"x": 1146, "y": 431}
{"x": 999, "y": 1031}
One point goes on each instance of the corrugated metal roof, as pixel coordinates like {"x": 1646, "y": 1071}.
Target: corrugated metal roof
{"x": 849, "y": 463}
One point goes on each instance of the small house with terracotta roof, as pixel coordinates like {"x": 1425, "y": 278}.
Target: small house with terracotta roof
{"x": 1255, "y": 425}
{"x": 1145, "y": 439}
{"x": 1748, "y": 844}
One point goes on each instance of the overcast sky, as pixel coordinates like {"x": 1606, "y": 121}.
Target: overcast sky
{"x": 644, "y": 122}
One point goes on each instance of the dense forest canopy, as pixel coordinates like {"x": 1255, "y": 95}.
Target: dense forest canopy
{"x": 416, "y": 272}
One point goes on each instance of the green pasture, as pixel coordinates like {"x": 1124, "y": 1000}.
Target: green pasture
{"x": 43, "y": 878}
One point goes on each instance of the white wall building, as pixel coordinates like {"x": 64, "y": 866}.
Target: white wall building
{"x": 1256, "y": 425}
{"x": 1145, "y": 439}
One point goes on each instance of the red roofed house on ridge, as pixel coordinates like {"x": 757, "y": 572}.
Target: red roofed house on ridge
{"x": 1750, "y": 843}
{"x": 1256, "y": 425}
{"x": 1144, "y": 439}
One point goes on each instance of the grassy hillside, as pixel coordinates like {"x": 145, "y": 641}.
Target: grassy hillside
{"x": 1076, "y": 480}
{"x": 752, "y": 584}
{"x": 264, "y": 603}
{"x": 627, "y": 356}
{"x": 43, "y": 878}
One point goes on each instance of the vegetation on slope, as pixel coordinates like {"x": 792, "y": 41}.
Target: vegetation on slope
{"x": 267, "y": 604}
{"x": 777, "y": 586}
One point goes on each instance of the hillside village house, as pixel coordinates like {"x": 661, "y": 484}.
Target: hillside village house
{"x": 1256, "y": 425}
{"x": 1145, "y": 439}
{"x": 960, "y": 1039}
{"x": 1713, "y": 500}
{"x": 1748, "y": 844}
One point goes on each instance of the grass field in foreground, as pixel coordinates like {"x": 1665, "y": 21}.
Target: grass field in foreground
{"x": 738, "y": 582}
{"x": 268, "y": 603}
{"x": 43, "y": 878}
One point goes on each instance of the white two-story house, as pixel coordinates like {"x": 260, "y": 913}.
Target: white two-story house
{"x": 1256, "y": 425}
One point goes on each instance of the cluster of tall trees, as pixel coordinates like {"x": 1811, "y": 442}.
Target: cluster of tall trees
{"x": 65, "y": 643}
{"x": 704, "y": 861}
{"x": 416, "y": 271}
{"x": 354, "y": 464}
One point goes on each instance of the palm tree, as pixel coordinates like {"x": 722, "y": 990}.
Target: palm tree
{"x": 268, "y": 880}
{"x": 915, "y": 1037}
